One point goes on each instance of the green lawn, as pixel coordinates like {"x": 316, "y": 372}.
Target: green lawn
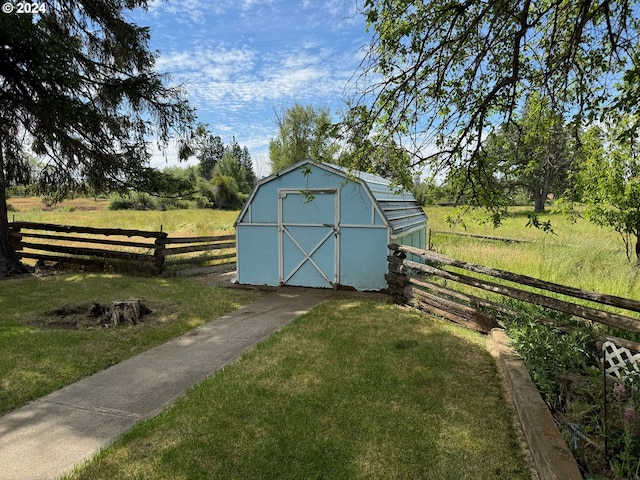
{"x": 354, "y": 389}
{"x": 36, "y": 359}
{"x": 351, "y": 390}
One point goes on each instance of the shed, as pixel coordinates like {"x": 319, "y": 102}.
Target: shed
{"x": 320, "y": 225}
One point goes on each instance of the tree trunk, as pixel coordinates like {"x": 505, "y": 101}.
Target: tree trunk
{"x": 128, "y": 312}
{"x": 539, "y": 202}
{"x": 9, "y": 263}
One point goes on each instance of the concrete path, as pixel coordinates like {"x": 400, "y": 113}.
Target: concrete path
{"x": 47, "y": 438}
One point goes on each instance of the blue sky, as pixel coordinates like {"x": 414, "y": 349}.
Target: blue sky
{"x": 243, "y": 60}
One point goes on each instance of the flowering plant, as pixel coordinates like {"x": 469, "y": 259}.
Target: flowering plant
{"x": 626, "y": 394}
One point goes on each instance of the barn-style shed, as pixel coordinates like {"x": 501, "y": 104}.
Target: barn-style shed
{"x": 319, "y": 225}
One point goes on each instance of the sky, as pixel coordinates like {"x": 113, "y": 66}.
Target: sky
{"x": 242, "y": 62}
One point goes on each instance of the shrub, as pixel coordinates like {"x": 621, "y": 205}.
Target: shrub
{"x": 119, "y": 202}
{"x": 225, "y": 192}
{"x": 563, "y": 359}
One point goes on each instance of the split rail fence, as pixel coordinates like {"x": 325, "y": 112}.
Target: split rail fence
{"x": 413, "y": 282}
{"x": 436, "y": 283}
{"x": 114, "y": 248}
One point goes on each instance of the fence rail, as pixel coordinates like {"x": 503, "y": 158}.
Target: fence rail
{"x": 462, "y": 307}
{"x": 153, "y": 251}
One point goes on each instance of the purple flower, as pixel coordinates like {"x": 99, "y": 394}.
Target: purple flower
{"x": 629, "y": 414}
{"x": 620, "y": 392}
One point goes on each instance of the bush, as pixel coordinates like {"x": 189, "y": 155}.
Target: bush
{"x": 19, "y": 191}
{"x": 119, "y": 202}
{"x": 225, "y": 192}
{"x": 143, "y": 201}
{"x": 563, "y": 359}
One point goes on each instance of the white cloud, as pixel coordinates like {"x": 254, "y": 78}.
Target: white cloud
{"x": 240, "y": 60}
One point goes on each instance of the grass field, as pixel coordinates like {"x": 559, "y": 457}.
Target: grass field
{"x": 354, "y": 389}
{"x": 94, "y": 213}
{"x": 578, "y": 254}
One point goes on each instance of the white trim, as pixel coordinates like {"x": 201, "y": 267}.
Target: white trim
{"x": 280, "y": 243}
{"x": 308, "y": 257}
{"x": 363, "y": 225}
{"x": 408, "y": 232}
{"x": 261, "y": 224}
{"x": 338, "y": 238}
{"x": 335, "y": 230}
{"x": 342, "y": 225}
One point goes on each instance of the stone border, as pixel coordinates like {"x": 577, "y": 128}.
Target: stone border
{"x": 551, "y": 456}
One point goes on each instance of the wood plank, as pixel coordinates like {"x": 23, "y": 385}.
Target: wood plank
{"x": 472, "y": 318}
{"x": 595, "y": 315}
{"x": 482, "y": 237}
{"x": 471, "y": 299}
{"x": 198, "y": 248}
{"x": 101, "y": 241}
{"x": 209, "y": 258}
{"x": 88, "y": 252}
{"x": 221, "y": 268}
{"x": 612, "y": 300}
{"x": 219, "y": 238}
{"x": 73, "y": 260}
{"x": 92, "y": 230}
{"x": 621, "y": 342}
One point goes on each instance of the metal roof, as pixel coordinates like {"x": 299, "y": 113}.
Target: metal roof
{"x": 399, "y": 207}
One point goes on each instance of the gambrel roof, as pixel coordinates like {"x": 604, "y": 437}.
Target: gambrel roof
{"x": 399, "y": 208}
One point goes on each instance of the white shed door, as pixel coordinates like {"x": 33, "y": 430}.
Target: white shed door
{"x": 308, "y": 241}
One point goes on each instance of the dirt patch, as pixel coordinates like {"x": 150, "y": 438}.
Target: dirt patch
{"x": 24, "y": 204}
{"x": 88, "y": 315}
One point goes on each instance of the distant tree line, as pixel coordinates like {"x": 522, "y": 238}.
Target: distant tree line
{"x": 534, "y": 159}
{"x": 223, "y": 178}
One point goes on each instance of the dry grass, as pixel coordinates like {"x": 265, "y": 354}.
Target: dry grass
{"x": 26, "y": 204}
{"x": 578, "y": 254}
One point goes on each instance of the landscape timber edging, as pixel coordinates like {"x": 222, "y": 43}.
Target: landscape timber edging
{"x": 551, "y": 456}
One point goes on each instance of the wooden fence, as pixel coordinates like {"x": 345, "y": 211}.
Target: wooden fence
{"x": 411, "y": 282}
{"x": 115, "y": 248}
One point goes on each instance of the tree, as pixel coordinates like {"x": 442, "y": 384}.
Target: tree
{"x": 208, "y": 150}
{"x": 225, "y": 192}
{"x": 608, "y": 179}
{"x": 245, "y": 176}
{"x": 247, "y": 163}
{"x": 532, "y": 154}
{"x": 78, "y": 89}
{"x": 439, "y": 74}
{"x": 303, "y": 132}
{"x": 230, "y": 166}
{"x": 361, "y": 150}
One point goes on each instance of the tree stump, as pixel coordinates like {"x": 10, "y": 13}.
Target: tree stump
{"x": 128, "y": 312}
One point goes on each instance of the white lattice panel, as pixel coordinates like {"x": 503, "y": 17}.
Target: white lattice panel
{"x": 620, "y": 361}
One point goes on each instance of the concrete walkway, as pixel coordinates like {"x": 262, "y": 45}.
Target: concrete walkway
{"x": 48, "y": 437}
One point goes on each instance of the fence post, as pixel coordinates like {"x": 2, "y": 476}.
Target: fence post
{"x": 159, "y": 252}
{"x": 396, "y": 276}
{"x": 16, "y": 240}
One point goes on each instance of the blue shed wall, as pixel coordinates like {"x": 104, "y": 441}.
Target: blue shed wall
{"x": 257, "y": 258}
{"x": 363, "y": 257}
{"x": 417, "y": 238}
{"x": 362, "y": 242}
